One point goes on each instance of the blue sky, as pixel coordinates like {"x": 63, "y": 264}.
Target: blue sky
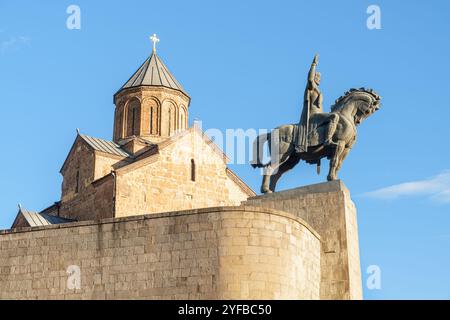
{"x": 244, "y": 63}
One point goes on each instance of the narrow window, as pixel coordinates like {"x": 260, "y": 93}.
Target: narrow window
{"x": 133, "y": 121}
{"x": 170, "y": 120}
{"x": 192, "y": 170}
{"x": 119, "y": 124}
{"x": 151, "y": 121}
{"x": 77, "y": 182}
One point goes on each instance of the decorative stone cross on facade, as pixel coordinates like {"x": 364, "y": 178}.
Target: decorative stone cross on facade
{"x": 155, "y": 40}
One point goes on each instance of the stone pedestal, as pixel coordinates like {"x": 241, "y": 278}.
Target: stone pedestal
{"x": 329, "y": 210}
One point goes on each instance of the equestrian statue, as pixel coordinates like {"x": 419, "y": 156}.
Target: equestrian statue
{"x": 318, "y": 135}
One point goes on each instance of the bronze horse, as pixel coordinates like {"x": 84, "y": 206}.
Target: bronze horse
{"x": 352, "y": 108}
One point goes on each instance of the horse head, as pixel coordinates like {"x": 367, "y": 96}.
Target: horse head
{"x": 363, "y": 100}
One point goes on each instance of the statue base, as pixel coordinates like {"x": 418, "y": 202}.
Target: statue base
{"x": 329, "y": 210}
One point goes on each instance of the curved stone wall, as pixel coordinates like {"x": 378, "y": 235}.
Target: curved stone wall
{"x": 211, "y": 253}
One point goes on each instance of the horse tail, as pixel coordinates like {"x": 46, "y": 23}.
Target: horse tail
{"x": 258, "y": 150}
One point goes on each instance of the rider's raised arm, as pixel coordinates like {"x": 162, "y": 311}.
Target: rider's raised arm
{"x": 312, "y": 72}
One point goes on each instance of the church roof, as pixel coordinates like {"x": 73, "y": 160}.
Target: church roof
{"x": 36, "y": 219}
{"x": 153, "y": 72}
{"x": 97, "y": 144}
{"x": 105, "y": 146}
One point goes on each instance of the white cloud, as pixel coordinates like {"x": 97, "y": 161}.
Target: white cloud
{"x": 14, "y": 42}
{"x": 436, "y": 188}
{"x": 443, "y": 197}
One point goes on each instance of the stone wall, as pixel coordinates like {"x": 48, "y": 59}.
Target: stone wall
{"x": 104, "y": 164}
{"x": 94, "y": 203}
{"x": 328, "y": 208}
{"x": 153, "y": 183}
{"x": 87, "y": 190}
{"x": 78, "y": 170}
{"x": 163, "y": 182}
{"x": 214, "y": 253}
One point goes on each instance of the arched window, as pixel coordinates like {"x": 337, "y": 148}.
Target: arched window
{"x": 168, "y": 117}
{"x": 192, "y": 170}
{"x": 134, "y": 118}
{"x": 150, "y": 117}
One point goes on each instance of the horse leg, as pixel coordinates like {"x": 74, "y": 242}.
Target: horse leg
{"x": 344, "y": 155}
{"x": 267, "y": 174}
{"x": 282, "y": 169}
{"x": 341, "y": 159}
{"x": 334, "y": 163}
{"x": 265, "y": 184}
{"x": 280, "y": 151}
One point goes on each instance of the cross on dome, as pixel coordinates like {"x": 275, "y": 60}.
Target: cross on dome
{"x": 155, "y": 40}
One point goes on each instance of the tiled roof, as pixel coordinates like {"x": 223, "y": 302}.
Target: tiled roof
{"x": 105, "y": 146}
{"x": 153, "y": 72}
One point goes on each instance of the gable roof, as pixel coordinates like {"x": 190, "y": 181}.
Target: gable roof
{"x": 105, "y": 146}
{"x": 97, "y": 144}
{"x": 36, "y": 219}
{"x": 153, "y": 72}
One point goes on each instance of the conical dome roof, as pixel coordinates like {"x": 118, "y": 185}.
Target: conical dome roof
{"x": 153, "y": 72}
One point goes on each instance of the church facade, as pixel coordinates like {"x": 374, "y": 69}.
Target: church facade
{"x": 155, "y": 162}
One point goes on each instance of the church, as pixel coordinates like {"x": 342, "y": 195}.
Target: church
{"x": 154, "y": 163}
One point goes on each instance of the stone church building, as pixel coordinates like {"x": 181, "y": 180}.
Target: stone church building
{"x": 155, "y": 213}
{"x": 155, "y": 162}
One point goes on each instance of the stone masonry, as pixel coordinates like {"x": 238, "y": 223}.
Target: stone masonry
{"x": 328, "y": 208}
{"x": 215, "y": 253}
{"x": 187, "y": 171}
{"x": 294, "y": 244}
{"x": 162, "y": 182}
